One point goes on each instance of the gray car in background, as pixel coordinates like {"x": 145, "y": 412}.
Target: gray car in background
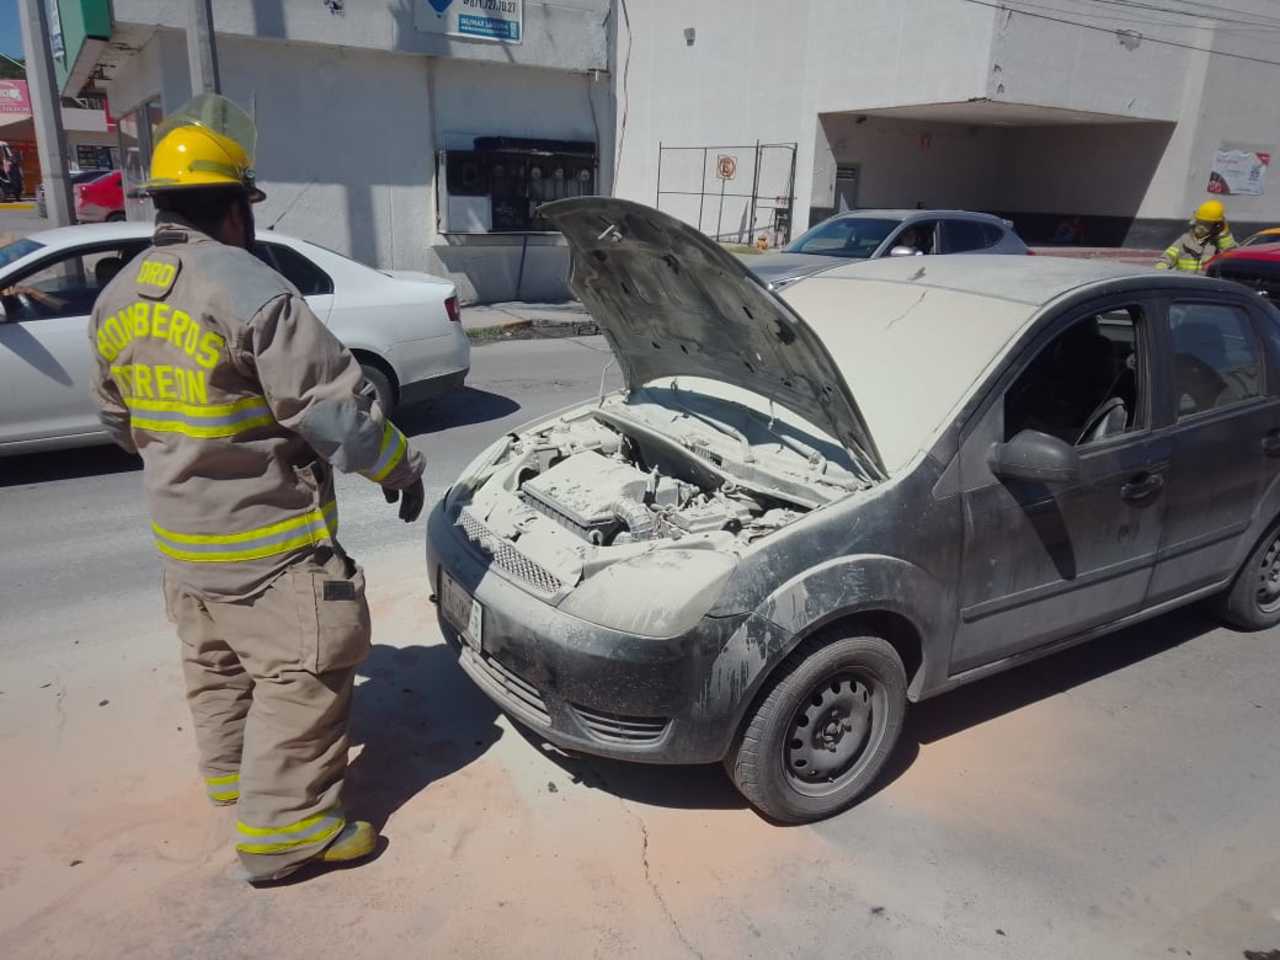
{"x": 870, "y": 234}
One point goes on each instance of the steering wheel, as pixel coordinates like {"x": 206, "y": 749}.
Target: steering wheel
{"x": 1098, "y": 426}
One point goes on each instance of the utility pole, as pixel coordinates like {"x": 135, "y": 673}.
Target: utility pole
{"x": 46, "y": 112}
{"x": 202, "y": 51}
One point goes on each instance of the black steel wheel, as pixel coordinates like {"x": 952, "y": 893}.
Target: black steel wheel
{"x": 1253, "y": 601}
{"x": 822, "y": 731}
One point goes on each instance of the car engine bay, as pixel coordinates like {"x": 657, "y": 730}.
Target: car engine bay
{"x": 628, "y": 477}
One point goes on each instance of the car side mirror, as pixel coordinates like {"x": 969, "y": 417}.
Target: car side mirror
{"x": 1035, "y": 457}
{"x": 903, "y": 252}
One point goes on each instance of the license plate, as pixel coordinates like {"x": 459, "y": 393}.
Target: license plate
{"x": 461, "y": 610}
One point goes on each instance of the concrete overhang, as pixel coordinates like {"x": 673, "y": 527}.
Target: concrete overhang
{"x": 993, "y": 113}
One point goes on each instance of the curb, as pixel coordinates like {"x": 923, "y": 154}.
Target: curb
{"x": 532, "y": 330}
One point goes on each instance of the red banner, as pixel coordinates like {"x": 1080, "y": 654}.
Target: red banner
{"x": 14, "y": 97}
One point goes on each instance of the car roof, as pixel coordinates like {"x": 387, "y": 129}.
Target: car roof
{"x": 93, "y": 233}
{"x": 122, "y": 230}
{"x": 1034, "y": 281}
{"x": 889, "y": 214}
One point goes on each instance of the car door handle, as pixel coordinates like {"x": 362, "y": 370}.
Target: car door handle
{"x": 1142, "y": 487}
{"x": 1271, "y": 444}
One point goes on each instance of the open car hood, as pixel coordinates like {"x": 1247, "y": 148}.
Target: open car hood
{"x": 674, "y": 303}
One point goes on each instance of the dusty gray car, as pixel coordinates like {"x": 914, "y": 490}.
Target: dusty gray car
{"x": 733, "y": 559}
{"x": 871, "y": 234}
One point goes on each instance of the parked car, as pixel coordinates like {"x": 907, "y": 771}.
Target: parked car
{"x": 1257, "y": 266}
{"x": 101, "y": 199}
{"x": 78, "y": 178}
{"x": 870, "y": 234}
{"x": 1268, "y": 235}
{"x": 808, "y": 509}
{"x": 404, "y": 327}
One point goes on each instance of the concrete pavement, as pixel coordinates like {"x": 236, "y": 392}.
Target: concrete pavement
{"x": 1115, "y": 801}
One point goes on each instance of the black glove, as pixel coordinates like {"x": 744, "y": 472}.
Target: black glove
{"x": 411, "y": 505}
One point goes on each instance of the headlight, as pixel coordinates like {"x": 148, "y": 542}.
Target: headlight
{"x": 661, "y": 594}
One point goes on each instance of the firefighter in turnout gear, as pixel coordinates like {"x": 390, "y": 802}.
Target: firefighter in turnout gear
{"x": 1209, "y": 236}
{"x": 211, "y": 366}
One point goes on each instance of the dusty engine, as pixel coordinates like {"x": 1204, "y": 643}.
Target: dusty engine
{"x": 609, "y": 501}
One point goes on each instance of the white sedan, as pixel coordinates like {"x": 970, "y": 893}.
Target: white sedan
{"x": 405, "y": 328}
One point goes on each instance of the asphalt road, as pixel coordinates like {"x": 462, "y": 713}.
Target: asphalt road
{"x": 1118, "y": 800}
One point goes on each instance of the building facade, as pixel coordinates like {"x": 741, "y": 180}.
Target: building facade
{"x": 1110, "y": 117}
{"x": 410, "y": 140}
{"x": 386, "y": 139}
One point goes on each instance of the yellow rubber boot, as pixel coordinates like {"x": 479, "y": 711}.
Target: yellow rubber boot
{"x": 356, "y": 841}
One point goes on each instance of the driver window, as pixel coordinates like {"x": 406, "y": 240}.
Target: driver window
{"x": 918, "y": 236}
{"x": 1084, "y": 386}
{"x": 67, "y": 287}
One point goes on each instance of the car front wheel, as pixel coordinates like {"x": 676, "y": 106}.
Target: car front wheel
{"x": 823, "y": 730}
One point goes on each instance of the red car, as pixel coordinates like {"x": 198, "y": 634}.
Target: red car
{"x": 1256, "y": 266}
{"x": 100, "y": 199}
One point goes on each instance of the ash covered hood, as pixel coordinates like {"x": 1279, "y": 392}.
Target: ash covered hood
{"x": 674, "y": 303}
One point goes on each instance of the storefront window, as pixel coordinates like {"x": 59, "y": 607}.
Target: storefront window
{"x": 498, "y": 186}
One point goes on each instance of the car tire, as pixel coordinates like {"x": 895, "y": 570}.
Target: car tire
{"x": 1253, "y": 601}
{"x": 115, "y": 216}
{"x": 823, "y": 729}
{"x": 383, "y": 391}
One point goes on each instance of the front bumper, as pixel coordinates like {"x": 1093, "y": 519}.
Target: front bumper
{"x": 585, "y": 687}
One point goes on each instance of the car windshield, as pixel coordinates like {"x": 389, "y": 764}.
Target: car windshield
{"x": 1260, "y": 238}
{"x": 10, "y": 253}
{"x": 856, "y": 238}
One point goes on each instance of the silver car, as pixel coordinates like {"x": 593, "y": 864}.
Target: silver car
{"x": 869, "y": 234}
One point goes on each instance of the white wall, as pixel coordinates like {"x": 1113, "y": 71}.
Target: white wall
{"x": 766, "y": 70}
{"x": 565, "y": 34}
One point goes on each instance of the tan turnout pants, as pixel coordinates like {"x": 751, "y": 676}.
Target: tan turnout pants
{"x": 269, "y": 683}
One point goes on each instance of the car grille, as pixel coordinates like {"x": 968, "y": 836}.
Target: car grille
{"x": 615, "y": 728}
{"x": 508, "y": 558}
{"x": 510, "y": 686}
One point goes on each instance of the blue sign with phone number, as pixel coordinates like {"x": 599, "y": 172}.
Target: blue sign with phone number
{"x": 491, "y": 27}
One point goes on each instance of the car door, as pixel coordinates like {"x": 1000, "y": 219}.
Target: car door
{"x": 1225, "y": 430}
{"x": 44, "y": 345}
{"x": 315, "y": 285}
{"x": 1042, "y": 563}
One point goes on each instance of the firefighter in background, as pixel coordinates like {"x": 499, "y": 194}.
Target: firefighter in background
{"x": 211, "y": 366}
{"x": 1209, "y": 236}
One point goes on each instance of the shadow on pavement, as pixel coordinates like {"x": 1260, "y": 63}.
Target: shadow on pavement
{"x": 419, "y": 719}
{"x": 702, "y": 787}
{"x": 984, "y": 700}
{"x": 461, "y": 408}
{"x": 66, "y": 465}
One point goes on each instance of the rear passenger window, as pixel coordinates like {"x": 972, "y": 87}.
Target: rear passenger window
{"x": 966, "y": 235}
{"x": 1215, "y": 359}
{"x": 302, "y": 273}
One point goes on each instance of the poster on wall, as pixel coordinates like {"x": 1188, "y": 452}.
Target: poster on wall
{"x": 14, "y": 97}
{"x": 56, "y": 46}
{"x": 1239, "y": 172}
{"x": 499, "y": 20}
